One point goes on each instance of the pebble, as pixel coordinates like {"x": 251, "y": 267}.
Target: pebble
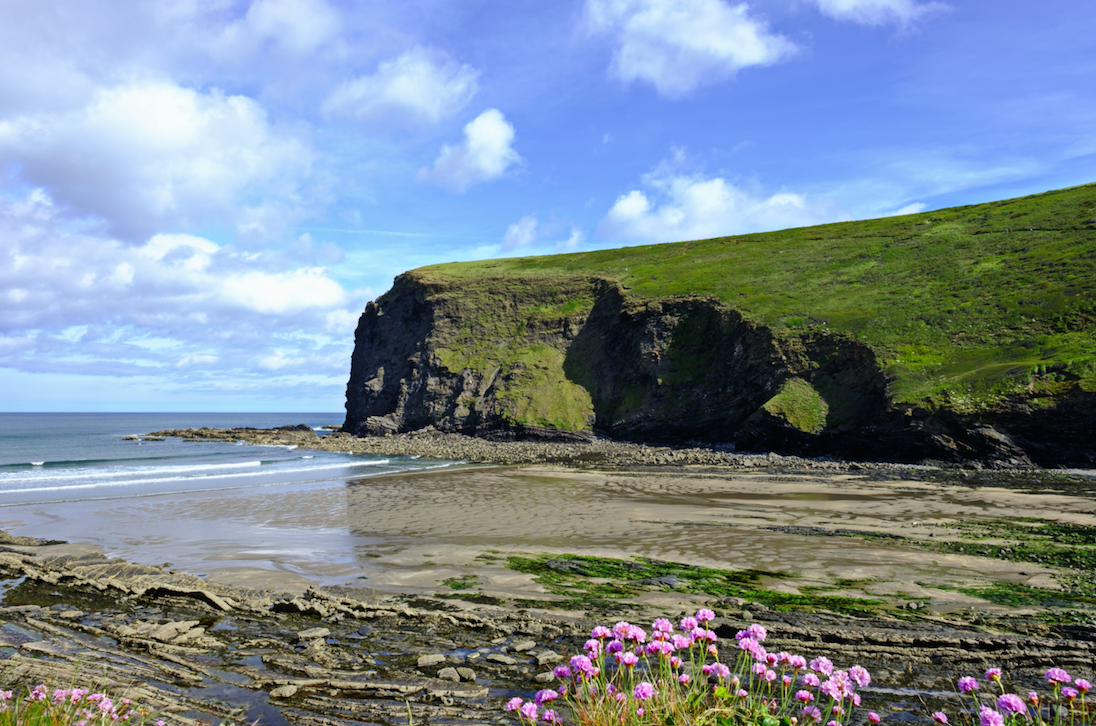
{"x": 467, "y": 674}
{"x": 313, "y": 634}
{"x": 523, "y": 646}
{"x": 449, "y": 674}
{"x": 284, "y": 691}
{"x": 425, "y": 661}
{"x": 500, "y": 658}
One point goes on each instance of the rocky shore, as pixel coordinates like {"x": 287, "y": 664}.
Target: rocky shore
{"x": 433, "y": 444}
{"x": 196, "y": 650}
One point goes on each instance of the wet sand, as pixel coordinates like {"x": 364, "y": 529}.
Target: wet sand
{"x": 408, "y": 532}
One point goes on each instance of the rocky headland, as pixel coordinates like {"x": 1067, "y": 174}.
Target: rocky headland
{"x": 947, "y": 337}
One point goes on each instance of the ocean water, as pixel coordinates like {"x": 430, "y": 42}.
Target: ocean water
{"x": 59, "y": 457}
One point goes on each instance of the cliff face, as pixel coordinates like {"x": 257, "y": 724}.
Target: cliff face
{"x": 573, "y": 357}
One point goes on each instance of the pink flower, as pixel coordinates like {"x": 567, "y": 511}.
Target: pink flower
{"x": 1070, "y": 692}
{"x": 855, "y": 699}
{"x": 643, "y": 691}
{"x": 1057, "y": 676}
{"x": 822, "y": 665}
{"x": 967, "y": 684}
{"x": 940, "y": 717}
{"x": 797, "y": 662}
{"x": 513, "y": 704}
{"x": 713, "y": 651}
{"x": 600, "y": 632}
{"x": 688, "y": 623}
{"x": 804, "y": 696}
{"x": 812, "y": 713}
{"x": 640, "y": 712}
{"x": 550, "y": 716}
{"x": 662, "y": 625}
{"x": 561, "y": 671}
{"x": 860, "y": 676}
{"x": 681, "y": 642}
{"x": 786, "y": 680}
{"x": 704, "y": 615}
{"x": 39, "y": 693}
{"x": 838, "y": 710}
{"x": 721, "y": 670}
{"x": 873, "y": 717}
{"x": 621, "y": 630}
{"x": 629, "y": 659}
{"x": 759, "y": 668}
{"x": 742, "y": 693}
{"x": 993, "y": 674}
{"x": 1082, "y": 685}
{"x": 757, "y": 632}
{"x": 683, "y": 679}
{"x": 770, "y": 675}
{"x": 593, "y": 647}
{"x": 1011, "y": 703}
{"x": 833, "y": 723}
{"x": 614, "y": 646}
{"x": 675, "y": 661}
{"x": 529, "y": 710}
{"x": 1033, "y": 698}
{"x": 989, "y": 717}
{"x": 810, "y": 679}
{"x": 546, "y": 695}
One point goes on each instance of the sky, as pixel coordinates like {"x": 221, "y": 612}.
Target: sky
{"x": 199, "y": 197}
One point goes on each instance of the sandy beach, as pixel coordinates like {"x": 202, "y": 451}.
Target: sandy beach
{"x": 410, "y": 532}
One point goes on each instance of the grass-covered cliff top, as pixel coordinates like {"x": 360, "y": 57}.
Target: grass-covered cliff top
{"x": 961, "y": 305}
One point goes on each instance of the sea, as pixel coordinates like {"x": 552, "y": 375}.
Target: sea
{"x": 55, "y": 457}
{"x": 206, "y": 507}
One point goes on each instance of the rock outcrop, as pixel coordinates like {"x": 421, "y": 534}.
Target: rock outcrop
{"x": 573, "y": 358}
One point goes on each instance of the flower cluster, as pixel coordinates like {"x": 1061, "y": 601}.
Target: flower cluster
{"x": 629, "y": 676}
{"x": 998, "y": 707}
{"x": 67, "y": 706}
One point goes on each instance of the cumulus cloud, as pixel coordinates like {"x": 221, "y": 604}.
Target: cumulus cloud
{"x": 178, "y": 305}
{"x": 909, "y": 209}
{"x": 486, "y": 153}
{"x": 155, "y": 155}
{"x": 878, "y": 12}
{"x": 679, "y": 206}
{"x": 422, "y": 85}
{"x": 679, "y": 45}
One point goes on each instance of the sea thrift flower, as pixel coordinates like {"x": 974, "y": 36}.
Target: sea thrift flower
{"x": 593, "y": 647}
{"x": 786, "y": 680}
{"x": 1070, "y": 693}
{"x": 810, "y": 679}
{"x": 629, "y": 659}
{"x": 550, "y": 717}
{"x": 757, "y": 632}
{"x": 770, "y": 675}
{"x": 713, "y": 651}
{"x": 989, "y": 717}
{"x": 860, "y": 676}
{"x": 662, "y": 625}
{"x": 822, "y": 665}
{"x": 1082, "y": 685}
{"x": 688, "y": 623}
{"x": 993, "y": 674}
{"x": 873, "y": 717}
{"x": 529, "y": 710}
{"x": 812, "y": 713}
{"x": 940, "y": 717}
{"x": 643, "y": 691}
{"x": 546, "y": 696}
{"x": 1033, "y": 698}
{"x": 705, "y": 615}
{"x": 833, "y": 723}
{"x": 1057, "y": 676}
{"x": 855, "y": 699}
{"x": 804, "y": 696}
{"x": 1011, "y": 703}
{"x": 797, "y": 662}
{"x": 615, "y": 646}
{"x": 681, "y": 642}
{"x": 513, "y": 704}
{"x": 967, "y": 684}
{"x": 601, "y": 632}
{"x": 562, "y": 671}
{"x": 683, "y": 679}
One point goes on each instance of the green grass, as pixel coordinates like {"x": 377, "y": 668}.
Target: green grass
{"x": 798, "y": 403}
{"x": 961, "y": 306}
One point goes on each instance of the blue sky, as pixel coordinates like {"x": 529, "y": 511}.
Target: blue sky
{"x": 198, "y": 197}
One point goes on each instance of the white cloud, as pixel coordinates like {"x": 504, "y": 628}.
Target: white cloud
{"x": 571, "y": 243}
{"x": 297, "y": 26}
{"x": 909, "y": 209}
{"x": 679, "y": 45}
{"x": 681, "y": 206}
{"x": 521, "y": 233}
{"x": 422, "y": 85}
{"x": 153, "y": 155}
{"x": 878, "y": 12}
{"x": 486, "y": 153}
{"x": 179, "y": 304}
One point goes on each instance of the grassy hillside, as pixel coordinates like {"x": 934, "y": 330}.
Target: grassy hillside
{"x": 962, "y": 306}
